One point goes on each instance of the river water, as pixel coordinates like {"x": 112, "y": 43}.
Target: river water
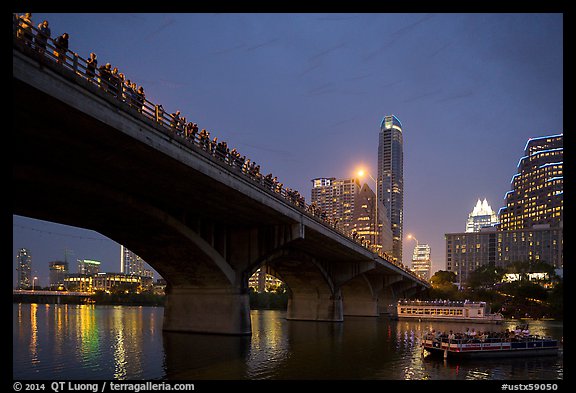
{"x": 93, "y": 342}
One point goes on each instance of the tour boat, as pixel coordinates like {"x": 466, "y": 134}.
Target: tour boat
{"x": 446, "y": 310}
{"x": 490, "y": 347}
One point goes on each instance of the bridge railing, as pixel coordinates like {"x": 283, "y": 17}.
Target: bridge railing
{"x": 186, "y": 133}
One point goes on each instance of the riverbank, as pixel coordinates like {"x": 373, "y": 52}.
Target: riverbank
{"x": 258, "y": 301}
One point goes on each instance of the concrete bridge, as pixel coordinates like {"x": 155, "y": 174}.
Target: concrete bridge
{"x": 51, "y": 297}
{"x": 87, "y": 158}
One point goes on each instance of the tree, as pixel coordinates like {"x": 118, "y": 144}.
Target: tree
{"x": 443, "y": 285}
{"x": 485, "y": 276}
{"x": 442, "y": 278}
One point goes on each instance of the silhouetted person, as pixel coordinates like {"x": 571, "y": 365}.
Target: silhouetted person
{"x": 24, "y": 31}
{"x": 105, "y": 75}
{"x": 42, "y": 36}
{"x": 91, "y": 65}
{"x": 140, "y": 98}
{"x": 61, "y": 45}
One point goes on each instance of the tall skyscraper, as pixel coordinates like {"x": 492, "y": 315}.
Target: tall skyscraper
{"x": 130, "y": 263}
{"x": 537, "y": 195}
{"x": 481, "y": 216}
{"x": 391, "y": 178}
{"x": 421, "y": 261}
{"x": 24, "y": 268}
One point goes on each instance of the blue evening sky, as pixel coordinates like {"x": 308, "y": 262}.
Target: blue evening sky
{"x": 303, "y": 95}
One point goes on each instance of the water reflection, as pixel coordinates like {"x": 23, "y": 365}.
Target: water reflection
{"x": 85, "y": 342}
{"x": 104, "y": 342}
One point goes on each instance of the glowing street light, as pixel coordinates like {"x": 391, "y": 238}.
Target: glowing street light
{"x": 33, "y": 281}
{"x": 411, "y": 236}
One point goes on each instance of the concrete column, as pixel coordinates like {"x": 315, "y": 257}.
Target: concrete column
{"x": 361, "y": 307}
{"x": 207, "y": 310}
{"x": 315, "y": 307}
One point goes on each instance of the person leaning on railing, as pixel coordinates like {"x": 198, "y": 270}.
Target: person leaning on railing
{"x": 41, "y": 39}
{"x": 24, "y": 31}
{"x": 61, "y": 44}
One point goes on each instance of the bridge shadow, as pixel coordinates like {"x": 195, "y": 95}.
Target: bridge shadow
{"x": 190, "y": 356}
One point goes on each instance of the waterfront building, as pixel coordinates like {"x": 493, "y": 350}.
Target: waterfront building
{"x": 530, "y": 226}
{"x": 132, "y": 264}
{"x": 390, "y": 180}
{"x": 58, "y": 271}
{"x": 120, "y": 281}
{"x": 261, "y": 281}
{"x": 467, "y": 251}
{"x": 481, "y": 216}
{"x": 79, "y": 282}
{"x": 88, "y": 267}
{"x": 24, "y": 269}
{"x": 421, "y": 263}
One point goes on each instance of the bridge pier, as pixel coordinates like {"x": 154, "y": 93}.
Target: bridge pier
{"x": 361, "y": 307}
{"x": 207, "y": 310}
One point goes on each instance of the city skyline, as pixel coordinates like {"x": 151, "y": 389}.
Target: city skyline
{"x": 470, "y": 91}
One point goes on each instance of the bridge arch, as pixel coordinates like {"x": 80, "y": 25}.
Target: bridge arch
{"x": 312, "y": 293}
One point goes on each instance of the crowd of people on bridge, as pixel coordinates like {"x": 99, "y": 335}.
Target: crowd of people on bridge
{"x": 115, "y": 83}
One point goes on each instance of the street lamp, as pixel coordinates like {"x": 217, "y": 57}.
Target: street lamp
{"x": 361, "y": 173}
{"x": 33, "y": 281}
{"x": 410, "y": 236}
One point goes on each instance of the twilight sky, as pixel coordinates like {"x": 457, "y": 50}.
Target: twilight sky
{"x": 303, "y": 95}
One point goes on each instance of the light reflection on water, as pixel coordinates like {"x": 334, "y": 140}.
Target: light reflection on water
{"x": 113, "y": 342}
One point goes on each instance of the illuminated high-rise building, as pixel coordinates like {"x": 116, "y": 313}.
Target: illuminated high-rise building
{"x": 481, "y": 216}
{"x": 421, "y": 263}
{"x": 58, "y": 271}
{"x": 364, "y": 220}
{"x": 391, "y": 178}
{"x": 353, "y": 208}
{"x": 130, "y": 263}
{"x": 537, "y": 195}
{"x": 88, "y": 266}
{"x": 24, "y": 268}
{"x": 336, "y": 197}
{"x": 530, "y": 226}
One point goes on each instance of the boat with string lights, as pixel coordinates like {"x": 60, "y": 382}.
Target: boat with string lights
{"x": 445, "y": 310}
{"x": 488, "y": 345}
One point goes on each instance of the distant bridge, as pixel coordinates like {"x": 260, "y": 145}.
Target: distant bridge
{"x": 51, "y": 297}
{"x": 85, "y": 154}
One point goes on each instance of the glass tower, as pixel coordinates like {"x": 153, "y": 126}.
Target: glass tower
{"x": 130, "y": 263}
{"x": 391, "y": 178}
{"x": 537, "y": 195}
{"x": 24, "y": 269}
